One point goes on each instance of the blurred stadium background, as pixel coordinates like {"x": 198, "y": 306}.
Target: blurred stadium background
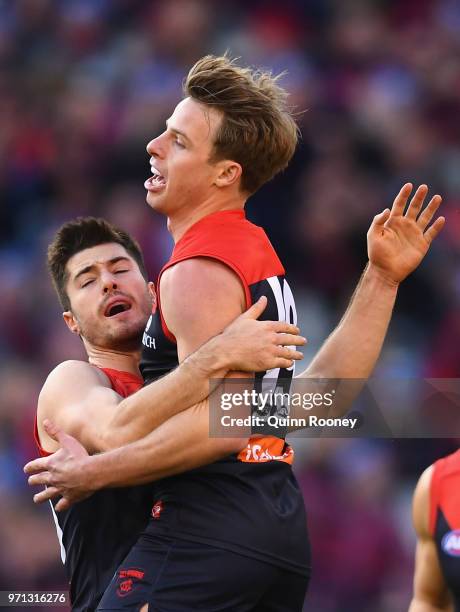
{"x": 84, "y": 84}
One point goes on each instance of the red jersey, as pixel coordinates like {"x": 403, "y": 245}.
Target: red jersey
{"x": 248, "y": 503}
{"x": 445, "y": 519}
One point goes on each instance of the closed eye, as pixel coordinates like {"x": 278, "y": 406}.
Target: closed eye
{"x": 88, "y": 282}
{"x": 179, "y": 144}
{"x": 121, "y": 271}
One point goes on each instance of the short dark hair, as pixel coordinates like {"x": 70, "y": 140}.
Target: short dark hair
{"x": 84, "y": 233}
{"x": 258, "y": 129}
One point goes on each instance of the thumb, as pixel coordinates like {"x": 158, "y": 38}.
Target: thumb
{"x": 53, "y": 431}
{"x": 256, "y": 309}
{"x": 381, "y": 218}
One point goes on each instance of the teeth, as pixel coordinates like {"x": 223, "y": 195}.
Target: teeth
{"x": 155, "y": 172}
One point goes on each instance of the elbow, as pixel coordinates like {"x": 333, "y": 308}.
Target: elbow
{"x": 103, "y": 445}
{"x": 116, "y": 435}
{"x": 109, "y": 440}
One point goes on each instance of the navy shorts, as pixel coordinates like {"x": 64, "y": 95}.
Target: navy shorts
{"x": 175, "y": 575}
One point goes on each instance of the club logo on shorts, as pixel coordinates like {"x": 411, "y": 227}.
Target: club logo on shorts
{"x": 127, "y": 579}
{"x": 451, "y": 543}
{"x": 157, "y": 509}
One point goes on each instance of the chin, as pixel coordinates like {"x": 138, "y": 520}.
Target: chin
{"x": 160, "y": 203}
{"x": 155, "y": 201}
{"x": 127, "y": 330}
{"x": 130, "y": 340}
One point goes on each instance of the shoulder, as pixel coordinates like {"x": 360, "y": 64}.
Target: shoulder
{"x": 65, "y": 376}
{"x": 75, "y": 367}
{"x": 200, "y": 279}
{"x": 421, "y": 503}
{"x": 206, "y": 271}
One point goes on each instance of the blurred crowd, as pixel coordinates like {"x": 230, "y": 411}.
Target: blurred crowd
{"x": 85, "y": 84}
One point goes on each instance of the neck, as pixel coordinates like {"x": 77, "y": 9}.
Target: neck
{"x": 124, "y": 361}
{"x": 180, "y": 221}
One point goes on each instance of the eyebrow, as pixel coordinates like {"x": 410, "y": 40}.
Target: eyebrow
{"x": 90, "y": 268}
{"x": 176, "y": 131}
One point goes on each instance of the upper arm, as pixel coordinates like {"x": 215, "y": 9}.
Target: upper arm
{"x": 199, "y": 298}
{"x": 79, "y": 399}
{"x": 429, "y": 585}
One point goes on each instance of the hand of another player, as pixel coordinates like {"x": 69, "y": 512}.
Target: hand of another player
{"x": 63, "y": 472}
{"x": 397, "y": 241}
{"x": 254, "y": 346}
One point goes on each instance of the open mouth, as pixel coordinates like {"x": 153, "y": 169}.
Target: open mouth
{"x": 116, "y": 308}
{"x": 156, "y": 182}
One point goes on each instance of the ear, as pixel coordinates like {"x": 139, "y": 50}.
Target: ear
{"x": 228, "y": 173}
{"x": 152, "y": 292}
{"x": 71, "y": 321}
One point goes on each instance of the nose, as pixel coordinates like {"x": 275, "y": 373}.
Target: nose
{"x": 155, "y": 147}
{"x": 109, "y": 283}
{"x": 108, "y": 288}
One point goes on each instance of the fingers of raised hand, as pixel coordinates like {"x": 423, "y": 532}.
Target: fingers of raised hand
{"x": 400, "y": 201}
{"x": 427, "y": 214}
{"x": 417, "y": 202}
{"x": 380, "y": 220}
{"x": 434, "y": 230}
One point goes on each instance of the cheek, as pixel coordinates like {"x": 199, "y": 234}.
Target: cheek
{"x": 190, "y": 179}
{"x": 145, "y": 301}
{"x": 139, "y": 291}
{"x": 188, "y": 166}
{"x": 86, "y": 309}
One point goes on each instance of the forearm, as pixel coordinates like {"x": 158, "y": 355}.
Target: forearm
{"x": 188, "y": 384}
{"x": 179, "y": 445}
{"x": 352, "y": 350}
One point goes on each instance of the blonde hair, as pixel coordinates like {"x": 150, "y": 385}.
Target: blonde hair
{"x": 258, "y": 130}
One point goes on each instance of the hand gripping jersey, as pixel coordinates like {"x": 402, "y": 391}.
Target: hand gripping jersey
{"x": 445, "y": 519}
{"x": 250, "y": 503}
{"x": 96, "y": 534}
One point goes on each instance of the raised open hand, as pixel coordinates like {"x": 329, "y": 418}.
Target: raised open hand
{"x": 397, "y": 241}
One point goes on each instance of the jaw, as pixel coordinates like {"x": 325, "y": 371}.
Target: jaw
{"x": 114, "y": 341}
{"x": 156, "y": 201}
{"x": 118, "y": 333}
